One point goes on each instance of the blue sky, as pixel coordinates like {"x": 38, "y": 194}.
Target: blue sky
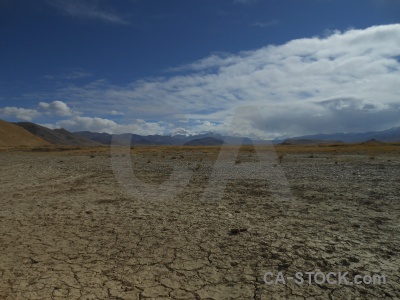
{"x": 186, "y": 66}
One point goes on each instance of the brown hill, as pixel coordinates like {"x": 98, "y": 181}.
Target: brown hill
{"x": 12, "y": 135}
{"x": 57, "y": 136}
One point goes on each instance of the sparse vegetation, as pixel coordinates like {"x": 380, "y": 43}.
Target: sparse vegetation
{"x": 176, "y": 151}
{"x": 197, "y": 167}
{"x": 40, "y": 149}
{"x": 280, "y": 157}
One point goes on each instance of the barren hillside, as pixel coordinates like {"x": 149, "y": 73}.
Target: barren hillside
{"x": 12, "y": 135}
{"x": 57, "y": 136}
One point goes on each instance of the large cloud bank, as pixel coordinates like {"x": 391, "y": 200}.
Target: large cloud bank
{"x": 345, "y": 81}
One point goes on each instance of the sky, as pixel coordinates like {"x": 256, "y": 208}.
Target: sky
{"x": 191, "y": 66}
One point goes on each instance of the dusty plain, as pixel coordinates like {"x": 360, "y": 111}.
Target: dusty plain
{"x": 69, "y": 230}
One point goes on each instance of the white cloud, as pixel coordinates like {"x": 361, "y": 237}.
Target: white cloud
{"x": 105, "y": 125}
{"x": 77, "y": 74}
{"x": 296, "y": 85}
{"x": 49, "y": 125}
{"x": 88, "y": 123}
{"x": 20, "y": 113}
{"x": 88, "y": 9}
{"x": 56, "y": 108}
{"x": 116, "y": 113}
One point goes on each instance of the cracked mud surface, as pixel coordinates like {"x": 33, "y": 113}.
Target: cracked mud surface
{"x": 69, "y": 231}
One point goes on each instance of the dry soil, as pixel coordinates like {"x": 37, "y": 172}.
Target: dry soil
{"x": 69, "y": 230}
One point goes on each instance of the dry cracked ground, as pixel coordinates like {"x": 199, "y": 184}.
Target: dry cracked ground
{"x": 70, "y": 230}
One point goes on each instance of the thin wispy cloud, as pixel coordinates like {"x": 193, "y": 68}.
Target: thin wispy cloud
{"x": 266, "y": 24}
{"x": 71, "y": 75}
{"x": 88, "y": 9}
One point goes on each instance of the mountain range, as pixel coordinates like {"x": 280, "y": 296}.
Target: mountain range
{"x": 31, "y": 134}
{"x": 206, "y": 139}
{"x": 389, "y": 135}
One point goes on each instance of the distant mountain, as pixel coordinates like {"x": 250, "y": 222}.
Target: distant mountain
{"x": 390, "y": 135}
{"x": 102, "y": 138}
{"x": 207, "y": 141}
{"x": 56, "y": 136}
{"x": 232, "y": 140}
{"x": 299, "y": 141}
{"x": 12, "y": 135}
{"x": 107, "y": 139}
{"x": 164, "y": 139}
